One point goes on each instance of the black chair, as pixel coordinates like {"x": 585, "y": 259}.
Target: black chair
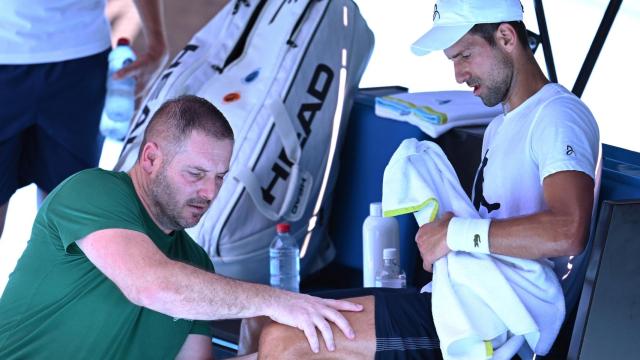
{"x": 607, "y": 324}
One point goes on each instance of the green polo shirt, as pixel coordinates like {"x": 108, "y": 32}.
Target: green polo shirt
{"x": 58, "y": 305}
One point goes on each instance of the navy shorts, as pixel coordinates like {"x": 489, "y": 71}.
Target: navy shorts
{"x": 49, "y": 121}
{"x": 404, "y": 324}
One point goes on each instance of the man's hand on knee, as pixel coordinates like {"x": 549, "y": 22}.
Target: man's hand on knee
{"x": 308, "y": 313}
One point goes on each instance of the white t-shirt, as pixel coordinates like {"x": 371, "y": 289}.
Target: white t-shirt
{"x": 42, "y": 31}
{"x": 551, "y": 131}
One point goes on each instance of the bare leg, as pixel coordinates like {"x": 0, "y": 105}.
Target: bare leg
{"x": 283, "y": 342}
{"x": 250, "y": 330}
{"x": 3, "y": 215}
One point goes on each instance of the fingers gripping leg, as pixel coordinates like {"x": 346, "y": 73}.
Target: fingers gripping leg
{"x": 283, "y": 342}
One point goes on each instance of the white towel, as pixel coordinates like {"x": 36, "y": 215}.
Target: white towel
{"x": 476, "y": 298}
{"x": 436, "y": 112}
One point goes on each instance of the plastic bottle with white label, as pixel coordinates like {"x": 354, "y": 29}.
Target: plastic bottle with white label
{"x": 378, "y": 233}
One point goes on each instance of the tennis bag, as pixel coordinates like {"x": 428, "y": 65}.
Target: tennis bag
{"x": 283, "y": 73}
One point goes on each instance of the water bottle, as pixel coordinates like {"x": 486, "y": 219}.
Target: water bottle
{"x": 391, "y": 275}
{"x": 284, "y": 260}
{"x": 378, "y": 233}
{"x": 120, "y": 100}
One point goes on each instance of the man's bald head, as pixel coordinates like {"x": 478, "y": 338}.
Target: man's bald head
{"x": 176, "y": 119}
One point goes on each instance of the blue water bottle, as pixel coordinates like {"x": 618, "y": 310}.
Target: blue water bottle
{"x": 284, "y": 260}
{"x": 120, "y": 100}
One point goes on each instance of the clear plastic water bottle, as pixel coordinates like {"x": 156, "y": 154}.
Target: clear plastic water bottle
{"x": 391, "y": 275}
{"x": 120, "y": 100}
{"x": 284, "y": 260}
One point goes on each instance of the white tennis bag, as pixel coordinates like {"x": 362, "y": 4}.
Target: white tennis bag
{"x": 283, "y": 73}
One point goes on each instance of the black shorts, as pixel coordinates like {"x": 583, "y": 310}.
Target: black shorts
{"x": 404, "y": 324}
{"x": 49, "y": 121}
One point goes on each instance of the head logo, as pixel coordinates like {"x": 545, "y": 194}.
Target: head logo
{"x": 476, "y": 240}
{"x": 319, "y": 87}
{"x": 435, "y": 12}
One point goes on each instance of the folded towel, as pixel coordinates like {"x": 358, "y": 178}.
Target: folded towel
{"x": 436, "y": 112}
{"x": 479, "y": 302}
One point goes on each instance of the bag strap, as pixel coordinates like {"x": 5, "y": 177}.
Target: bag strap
{"x": 286, "y": 130}
{"x": 287, "y": 133}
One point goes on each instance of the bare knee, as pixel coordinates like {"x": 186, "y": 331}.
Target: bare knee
{"x": 250, "y": 330}
{"x": 283, "y": 342}
{"x": 279, "y": 341}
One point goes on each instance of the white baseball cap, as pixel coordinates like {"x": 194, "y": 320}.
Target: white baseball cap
{"x": 454, "y": 18}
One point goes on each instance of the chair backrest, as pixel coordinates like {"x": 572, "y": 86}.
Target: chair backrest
{"x": 607, "y": 323}
{"x": 572, "y": 276}
{"x": 572, "y": 281}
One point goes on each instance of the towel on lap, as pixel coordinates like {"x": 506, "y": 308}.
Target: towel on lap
{"x": 479, "y": 302}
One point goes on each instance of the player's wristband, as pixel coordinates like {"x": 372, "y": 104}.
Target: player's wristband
{"x": 470, "y": 235}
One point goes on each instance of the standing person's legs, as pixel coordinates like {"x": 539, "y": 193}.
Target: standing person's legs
{"x": 3, "y": 216}
{"x": 66, "y": 137}
{"x": 47, "y": 163}
{"x": 8, "y": 175}
{"x": 17, "y": 114}
{"x": 395, "y": 324}
{"x": 49, "y": 123}
{"x": 10, "y": 157}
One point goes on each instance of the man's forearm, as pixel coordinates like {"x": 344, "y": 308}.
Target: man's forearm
{"x": 147, "y": 277}
{"x": 152, "y": 18}
{"x": 184, "y": 291}
{"x": 540, "y": 235}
